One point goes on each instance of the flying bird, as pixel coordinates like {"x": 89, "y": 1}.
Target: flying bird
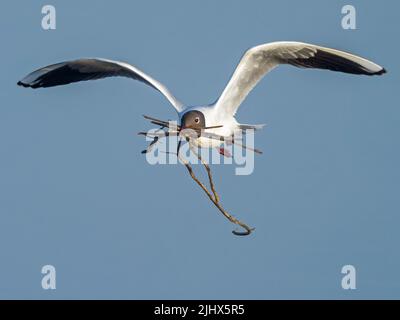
{"x": 216, "y": 119}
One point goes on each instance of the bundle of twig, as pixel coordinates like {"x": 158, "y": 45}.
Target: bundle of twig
{"x": 174, "y": 130}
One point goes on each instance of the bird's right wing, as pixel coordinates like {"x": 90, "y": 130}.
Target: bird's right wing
{"x": 259, "y": 60}
{"x": 92, "y": 69}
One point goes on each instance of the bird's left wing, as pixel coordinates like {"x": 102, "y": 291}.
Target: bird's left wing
{"x": 92, "y": 69}
{"x": 259, "y": 60}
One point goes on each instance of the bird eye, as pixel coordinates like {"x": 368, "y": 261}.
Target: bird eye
{"x": 197, "y": 120}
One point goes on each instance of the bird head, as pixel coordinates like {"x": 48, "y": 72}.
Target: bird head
{"x": 194, "y": 120}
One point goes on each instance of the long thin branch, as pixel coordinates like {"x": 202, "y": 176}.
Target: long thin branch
{"x": 210, "y": 178}
{"x": 216, "y": 203}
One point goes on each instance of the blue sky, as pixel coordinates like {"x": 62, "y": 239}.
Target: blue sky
{"x": 76, "y": 193}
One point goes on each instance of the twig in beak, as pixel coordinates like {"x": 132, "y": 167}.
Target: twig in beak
{"x": 246, "y": 147}
{"x": 212, "y": 127}
{"x": 214, "y": 197}
{"x": 159, "y": 135}
{"x": 161, "y": 123}
{"x": 179, "y": 146}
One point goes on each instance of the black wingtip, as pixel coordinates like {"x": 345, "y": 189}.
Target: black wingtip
{"x": 22, "y": 84}
{"x": 29, "y": 85}
{"x": 383, "y": 71}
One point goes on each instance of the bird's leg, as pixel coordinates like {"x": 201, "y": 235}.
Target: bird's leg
{"x": 247, "y": 229}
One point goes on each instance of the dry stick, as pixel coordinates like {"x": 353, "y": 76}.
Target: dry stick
{"x": 216, "y": 203}
{"x": 151, "y": 145}
{"x": 210, "y": 178}
{"x": 158, "y": 134}
{"x": 214, "y": 136}
{"x": 246, "y": 147}
{"x": 166, "y": 124}
{"x": 214, "y": 199}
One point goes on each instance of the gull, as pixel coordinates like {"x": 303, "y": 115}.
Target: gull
{"x": 216, "y": 120}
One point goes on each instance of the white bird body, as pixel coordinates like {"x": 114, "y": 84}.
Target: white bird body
{"x": 255, "y": 63}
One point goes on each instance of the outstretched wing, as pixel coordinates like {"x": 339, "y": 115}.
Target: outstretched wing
{"x": 92, "y": 69}
{"x": 259, "y": 60}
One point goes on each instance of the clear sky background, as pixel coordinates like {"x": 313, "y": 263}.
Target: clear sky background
{"x": 76, "y": 193}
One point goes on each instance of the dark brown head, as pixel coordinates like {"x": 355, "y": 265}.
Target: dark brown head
{"x": 193, "y": 120}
